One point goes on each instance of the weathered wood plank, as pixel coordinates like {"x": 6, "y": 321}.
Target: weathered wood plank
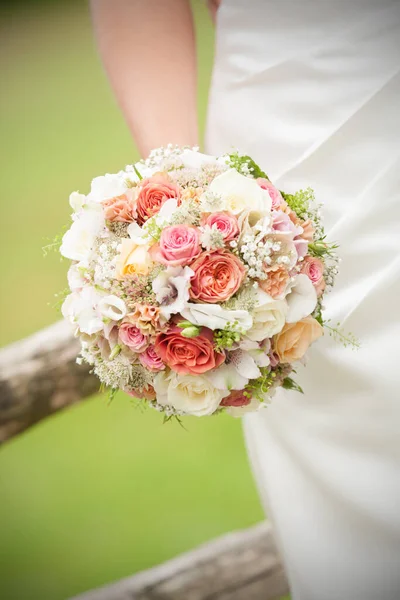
{"x": 243, "y": 565}
{"x": 39, "y": 376}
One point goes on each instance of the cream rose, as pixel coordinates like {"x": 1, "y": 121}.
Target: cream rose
{"x": 191, "y": 394}
{"x": 240, "y": 193}
{"x": 134, "y": 259}
{"x": 293, "y": 341}
{"x": 268, "y": 317}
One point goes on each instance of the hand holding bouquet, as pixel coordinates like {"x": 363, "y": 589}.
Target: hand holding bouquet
{"x": 196, "y": 284}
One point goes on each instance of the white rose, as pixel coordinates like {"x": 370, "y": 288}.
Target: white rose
{"x": 78, "y": 241}
{"x": 107, "y": 186}
{"x": 301, "y": 300}
{"x": 240, "y": 193}
{"x": 268, "y": 317}
{"x": 214, "y": 316}
{"x": 191, "y": 394}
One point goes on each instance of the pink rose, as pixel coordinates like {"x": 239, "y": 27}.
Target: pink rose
{"x": 131, "y": 336}
{"x": 282, "y": 223}
{"x": 178, "y": 245}
{"x": 188, "y": 355}
{"x": 153, "y": 192}
{"x": 274, "y": 193}
{"x": 225, "y": 222}
{"x": 236, "y": 398}
{"x": 217, "y": 276}
{"x": 151, "y": 360}
{"x": 120, "y": 208}
{"x": 314, "y": 269}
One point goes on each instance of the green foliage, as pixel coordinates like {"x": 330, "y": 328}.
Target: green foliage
{"x": 289, "y": 384}
{"x": 321, "y": 248}
{"x": 301, "y": 202}
{"x": 225, "y": 338}
{"x": 54, "y": 244}
{"x": 258, "y": 388}
{"x": 245, "y": 164}
{"x": 348, "y": 339}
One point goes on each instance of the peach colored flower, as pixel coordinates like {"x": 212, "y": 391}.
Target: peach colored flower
{"x": 314, "y": 268}
{"x": 275, "y": 284}
{"x": 191, "y": 193}
{"x": 225, "y": 222}
{"x": 147, "y": 318}
{"x": 293, "y": 341}
{"x": 147, "y": 393}
{"x": 131, "y": 336}
{"x": 151, "y": 360}
{"x": 178, "y": 245}
{"x": 153, "y": 192}
{"x": 133, "y": 259}
{"x": 121, "y": 208}
{"x": 217, "y": 276}
{"x": 308, "y": 230}
{"x": 274, "y": 193}
{"x": 188, "y": 355}
{"x": 236, "y": 398}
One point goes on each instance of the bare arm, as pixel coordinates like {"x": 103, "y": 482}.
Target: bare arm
{"x": 148, "y": 50}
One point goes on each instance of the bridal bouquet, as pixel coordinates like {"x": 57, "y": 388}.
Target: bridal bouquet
{"x": 196, "y": 285}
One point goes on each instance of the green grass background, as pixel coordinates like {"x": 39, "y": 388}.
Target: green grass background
{"x": 97, "y": 492}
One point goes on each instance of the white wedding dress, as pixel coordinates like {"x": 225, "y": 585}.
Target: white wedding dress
{"x": 311, "y": 90}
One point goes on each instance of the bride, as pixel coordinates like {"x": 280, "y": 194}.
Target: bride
{"x": 311, "y": 89}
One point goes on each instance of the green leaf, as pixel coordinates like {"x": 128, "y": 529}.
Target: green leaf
{"x": 137, "y": 173}
{"x": 289, "y": 384}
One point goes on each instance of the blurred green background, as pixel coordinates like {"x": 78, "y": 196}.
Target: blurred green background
{"x": 97, "y": 492}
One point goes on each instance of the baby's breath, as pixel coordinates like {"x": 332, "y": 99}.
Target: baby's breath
{"x": 245, "y": 299}
{"x": 211, "y": 238}
{"x": 188, "y": 213}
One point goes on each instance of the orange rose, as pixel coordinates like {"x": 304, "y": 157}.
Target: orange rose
{"x": 153, "y": 192}
{"x": 217, "y": 276}
{"x": 188, "y": 355}
{"x": 295, "y": 338}
{"x": 120, "y": 208}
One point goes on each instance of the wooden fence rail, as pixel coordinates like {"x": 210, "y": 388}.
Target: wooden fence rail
{"x": 243, "y": 565}
{"x": 38, "y": 377}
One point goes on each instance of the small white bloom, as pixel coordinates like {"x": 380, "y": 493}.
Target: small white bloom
{"x": 240, "y": 193}
{"x": 77, "y": 243}
{"x": 226, "y": 377}
{"x": 171, "y": 288}
{"x": 301, "y": 299}
{"x": 112, "y": 308}
{"x": 138, "y": 234}
{"x": 77, "y": 201}
{"x": 166, "y": 211}
{"x": 76, "y": 280}
{"x": 196, "y": 160}
{"x": 107, "y": 186}
{"x": 214, "y": 316}
{"x": 80, "y": 308}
